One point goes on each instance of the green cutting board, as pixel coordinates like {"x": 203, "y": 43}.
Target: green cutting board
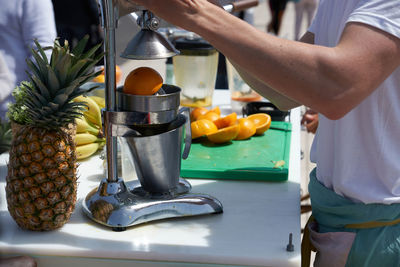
{"x": 253, "y": 159}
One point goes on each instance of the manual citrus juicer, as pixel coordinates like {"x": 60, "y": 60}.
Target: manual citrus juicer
{"x": 152, "y": 128}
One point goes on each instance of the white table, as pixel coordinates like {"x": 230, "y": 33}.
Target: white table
{"x": 253, "y": 230}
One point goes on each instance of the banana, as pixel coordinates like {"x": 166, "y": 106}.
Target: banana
{"x": 93, "y": 114}
{"x": 82, "y": 126}
{"x": 87, "y": 150}
{"x": 99, "y": 100}
{"x": 85, "y": 138}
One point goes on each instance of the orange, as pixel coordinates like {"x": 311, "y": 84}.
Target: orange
{"x": 246, "y": 129}
{"x": 143, "y": 81}
{"x": 101, "y": 78}
{"x": 226, "y": 121}
{"x": 210, "y": 115}
{"x": 224, "y": 135}
{"x": 216, "y": 110}
{"x": 262, "y": 122}
{"x": 196, "y": 112}
{"x": 202, "y": 127}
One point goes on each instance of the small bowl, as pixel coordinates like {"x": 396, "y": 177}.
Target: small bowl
{"x": 265, "y": 107}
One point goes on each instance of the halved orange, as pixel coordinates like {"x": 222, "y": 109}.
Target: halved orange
{"x": 210, "y": 115}
{"x": 226, "y": 121}
{"x": 216, "y": 110}
{"x": 202, "y": 127}
{"x": 262, "y": 122}
{"x": 196, "y": 112}
{"x": 246, "y": 129}
{"x": 142, "y": 81}
{"x": 224, "y": 135}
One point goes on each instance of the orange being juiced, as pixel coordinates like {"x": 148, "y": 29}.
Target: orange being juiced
{"x": 143, "y": 81}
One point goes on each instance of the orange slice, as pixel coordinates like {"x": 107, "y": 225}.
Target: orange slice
{"x": 262, "y": 122}
{"x": 226, "y": 121}
{"x": 216, "y": 110}
{"x": 210, "y": 115}
{"x": 202, "y": 127}
{"x": 196, "y": 112}
{"x": 246, "y": 129}
{"x": 224, "y": 135}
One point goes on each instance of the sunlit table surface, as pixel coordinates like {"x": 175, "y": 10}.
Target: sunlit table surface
{"x": 253, "y": 230}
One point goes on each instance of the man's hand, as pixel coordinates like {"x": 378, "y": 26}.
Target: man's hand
{"x": 310, "y": 120}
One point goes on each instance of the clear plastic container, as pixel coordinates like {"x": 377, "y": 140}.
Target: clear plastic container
{"x": 195, "y": 71}
{"x": 241, "y": 93}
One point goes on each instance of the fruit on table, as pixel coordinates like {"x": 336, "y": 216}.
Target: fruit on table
{"x": 262, "y": 121}
{"x": 92, "y": 113}
{"x": 202, "y": 127}
{"x": 224, "y": 135}
{"x": 226, "y": 121}
{"x": 82, "y": 126}
{"x": 101, "y": 77}
{"x": 246, "y": 129}
{"x": 100, "y": 101}
{"x": 86, "y": 150}
{"x": 41, "y": 187}
{"x": 143, "y": 81}
{"x": 87, "y": 131}
{"x": 199, "y": 111}
{"x": 210, "y": 115}
{"x": 85, "y": 138}
{"x": 196, "y": 112}
{"x": 216, "y": 110}
{"x": 228, "y": 127}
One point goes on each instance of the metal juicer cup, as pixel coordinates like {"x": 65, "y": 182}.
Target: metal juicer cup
{"x": 150, "y": 109}
{"x": 157, "y": 157}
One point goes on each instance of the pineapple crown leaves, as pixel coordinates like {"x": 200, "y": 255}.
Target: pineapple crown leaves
{"x": 54, "y": 83}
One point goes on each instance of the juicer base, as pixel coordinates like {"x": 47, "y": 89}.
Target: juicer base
{"x": 119, "y": 205}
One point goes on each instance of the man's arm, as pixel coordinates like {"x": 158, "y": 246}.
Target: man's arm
{"x": 329, "y": 80}
{"x": 278, "y": 99}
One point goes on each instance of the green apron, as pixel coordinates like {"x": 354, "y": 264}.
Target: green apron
{"x": 374, "y": 228}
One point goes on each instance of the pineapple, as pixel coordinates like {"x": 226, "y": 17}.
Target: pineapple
{"x": 41, "y": 181}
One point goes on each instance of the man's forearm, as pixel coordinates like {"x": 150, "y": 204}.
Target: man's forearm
{"x": 279, "y": 100}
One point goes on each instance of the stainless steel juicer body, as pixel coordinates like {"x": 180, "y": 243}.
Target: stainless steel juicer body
{"x": 153, "y": 129}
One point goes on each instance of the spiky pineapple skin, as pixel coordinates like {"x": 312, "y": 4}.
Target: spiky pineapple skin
{"x": 41, "y": 184}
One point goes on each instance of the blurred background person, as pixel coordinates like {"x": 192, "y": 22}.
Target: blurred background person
{"x": 77, "y": 18}
{"x": 304, "y": 6}
{"x": 6, "y": 84}
{"x": 277, "y": 8}
{"x": 22, "y": 21}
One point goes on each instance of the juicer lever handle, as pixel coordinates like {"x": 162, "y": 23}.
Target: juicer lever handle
{"x": 188, "y": 132}
{"x": 240, "y": 5}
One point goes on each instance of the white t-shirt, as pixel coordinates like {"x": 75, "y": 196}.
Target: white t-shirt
{"x": 358, "y": 156}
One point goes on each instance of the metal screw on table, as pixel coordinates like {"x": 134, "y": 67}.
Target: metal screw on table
{"x": 290, "y": 246}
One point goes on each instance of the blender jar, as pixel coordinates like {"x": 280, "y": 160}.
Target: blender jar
{"x": 195, "y": 70}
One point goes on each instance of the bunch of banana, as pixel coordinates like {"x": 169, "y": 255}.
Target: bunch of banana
{"x": 89, "y": 136}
